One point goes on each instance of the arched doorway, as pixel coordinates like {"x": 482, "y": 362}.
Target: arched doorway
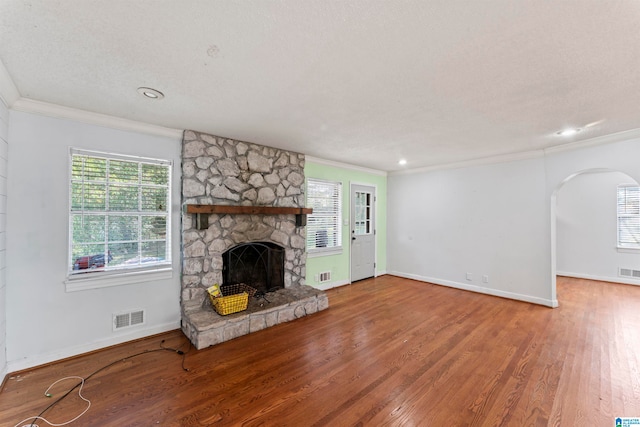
{"x": 587, "y": 247}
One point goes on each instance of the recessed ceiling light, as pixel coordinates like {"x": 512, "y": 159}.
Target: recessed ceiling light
{"x": 150, "y": 93}
{"x": 568, "y": 132}
{"x": 402, "y": 162}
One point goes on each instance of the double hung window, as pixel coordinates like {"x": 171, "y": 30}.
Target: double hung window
{"x": 629, "y": 216}
{"x": 324, "y": 225}
{"x": 119, "y": 213}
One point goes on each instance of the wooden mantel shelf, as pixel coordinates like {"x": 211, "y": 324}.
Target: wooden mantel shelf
{"x": 202, "y": 211}
{"x": 247, "y": 210}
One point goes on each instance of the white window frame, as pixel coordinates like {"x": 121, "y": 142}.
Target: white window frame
{"x": 335, "y": 217}
{"x": 625, "y": 246}
{"x": 122, "y": 275}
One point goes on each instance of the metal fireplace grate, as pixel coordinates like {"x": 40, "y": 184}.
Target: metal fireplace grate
{"x": 257, "y": 264}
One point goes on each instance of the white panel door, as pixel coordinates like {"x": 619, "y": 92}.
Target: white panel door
{"x": 363, "y": 237}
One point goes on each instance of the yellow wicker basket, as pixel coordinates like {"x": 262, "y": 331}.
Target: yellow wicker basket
{"x": 230, "y": 304}
{"x": 237, "y": 289}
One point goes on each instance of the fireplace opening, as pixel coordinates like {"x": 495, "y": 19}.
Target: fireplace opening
{"x": 257, "y": 264}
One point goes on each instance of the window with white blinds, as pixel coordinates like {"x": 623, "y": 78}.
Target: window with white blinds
{"x": 629, "y": 216}
{"x": 324, "y": 230}
{"x": 119, "y": 213}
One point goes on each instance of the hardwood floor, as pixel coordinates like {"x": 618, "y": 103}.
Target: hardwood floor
{"x": 388, "y": 352}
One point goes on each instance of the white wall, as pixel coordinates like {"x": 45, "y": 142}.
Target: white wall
{"x": 587, "y": 228}
{"x": 618, "y": 152}
{"x": 485, "y": 220}
{"x": 44, "y": 322}
{"x": 497, "y": 220}
{"x": 4, "y": 147}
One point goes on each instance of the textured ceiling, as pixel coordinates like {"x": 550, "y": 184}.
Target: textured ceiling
{"x": 365, "y": 82}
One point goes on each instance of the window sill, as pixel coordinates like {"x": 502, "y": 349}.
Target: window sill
{"x": 314, "y": 253}
{"x": 628, "y": 250}
{"x": 105, "y": 280}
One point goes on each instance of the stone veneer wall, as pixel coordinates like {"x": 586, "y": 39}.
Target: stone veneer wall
{"x": 224, "y": 171}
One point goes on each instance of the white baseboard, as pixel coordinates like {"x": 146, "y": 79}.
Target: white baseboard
{"x": 3, "y": 374}
{"x": 614, "y": 279}
{"x": 32, "y": 361}
{"x": 479, "y": 289}
{"x": 330, "y": 285}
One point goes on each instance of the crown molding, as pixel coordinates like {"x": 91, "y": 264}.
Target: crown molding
{"x": 505, "y": 158}
{"x": 9, "y": 93}
{"x": 58, "y": 111}
{"x": 344, "y": 165}
{"x": 592, "y": 142}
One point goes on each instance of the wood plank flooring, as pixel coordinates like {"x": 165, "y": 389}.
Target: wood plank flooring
{"x": 388, "y": 352}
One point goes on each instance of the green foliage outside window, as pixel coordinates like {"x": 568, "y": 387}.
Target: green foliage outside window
{"x": 119, "y": 212}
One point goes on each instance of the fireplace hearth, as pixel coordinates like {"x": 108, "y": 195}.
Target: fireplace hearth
{"x": 205, "y": 327}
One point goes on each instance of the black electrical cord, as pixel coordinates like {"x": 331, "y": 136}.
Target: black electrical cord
{"x": 162, "y": 348}
{"x": 179, "y": 351}
{"x": 261, "y": 295}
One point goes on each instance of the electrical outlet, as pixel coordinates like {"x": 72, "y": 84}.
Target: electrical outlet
{"x": 485, "y": 279}
{"x": 469, "y": 276}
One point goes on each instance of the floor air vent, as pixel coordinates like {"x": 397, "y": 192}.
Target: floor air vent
{"x": 126, "y": 320}
{"x": 325, "y": 276}
{"x": 627, "y": 272}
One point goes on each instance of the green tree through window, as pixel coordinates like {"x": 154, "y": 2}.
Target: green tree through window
{"x": 119, "y": 212}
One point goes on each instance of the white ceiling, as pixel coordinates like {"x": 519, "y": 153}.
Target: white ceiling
{"x": 365, "y": 82}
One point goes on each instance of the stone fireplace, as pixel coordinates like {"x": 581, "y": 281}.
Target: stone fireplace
{"x": 225, "y": 172}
